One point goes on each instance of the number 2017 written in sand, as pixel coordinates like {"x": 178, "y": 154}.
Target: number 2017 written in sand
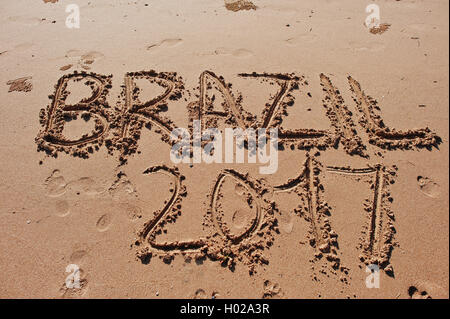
{"x": 119, "y": 129}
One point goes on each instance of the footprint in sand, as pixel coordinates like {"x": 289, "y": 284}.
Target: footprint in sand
{"x": 104, "y": 222}
{"x": 241, "y": 217}
{"x": 286, "y": 223}
{"x": 77, "y": 256}
{"x": 272, "y": 290}
{"x": 239, "y": 189}
{"x": 200, "y": 294}
{"x": 166, "y": 43}
{"x": 81, "y": 59}
{"x": 425, "y": 290}
{"x": 74, "y": 53}
{"x": 132, "y": 212}
{"x": 55, "y": 184}
{"x": 90, "y": 57}
{"x": 428, "y": 187}
{"x": 236, "y": 206}
{"x": 122, "y": 188}
{"x": 85, "y": 186}
{"x": 238, "y": 53}
{"x": 62, "y": 208}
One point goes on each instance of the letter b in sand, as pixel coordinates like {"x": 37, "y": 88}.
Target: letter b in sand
{"x": 373, "y": 280}
{"x": 73, "y": 19}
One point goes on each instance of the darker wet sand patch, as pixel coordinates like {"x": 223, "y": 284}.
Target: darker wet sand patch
{"x": 237, "y": 5}
{"x": 382, "y": 28}
{"x": 20, "y": 85}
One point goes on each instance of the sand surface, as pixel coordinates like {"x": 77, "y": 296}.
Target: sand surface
{"x": 86, "y": 175}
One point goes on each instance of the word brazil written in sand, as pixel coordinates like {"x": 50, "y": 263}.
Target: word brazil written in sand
{"x": 119, "y": 129}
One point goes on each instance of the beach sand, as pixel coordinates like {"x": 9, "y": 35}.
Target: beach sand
{"x": 87, "y": 181}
